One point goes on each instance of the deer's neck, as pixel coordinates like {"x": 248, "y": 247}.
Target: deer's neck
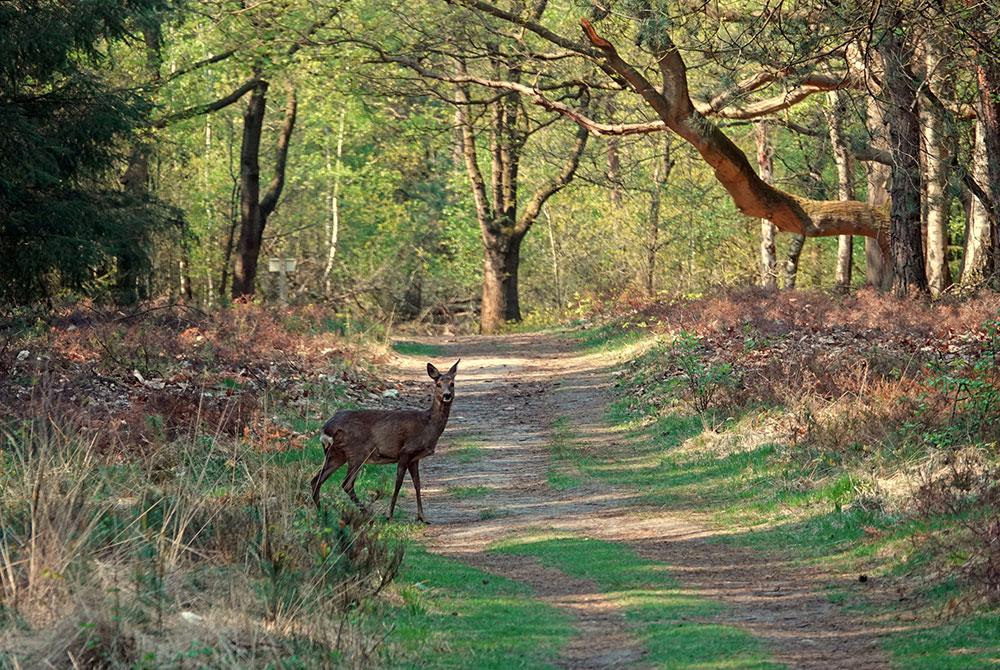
{"x": 439, "y": 413}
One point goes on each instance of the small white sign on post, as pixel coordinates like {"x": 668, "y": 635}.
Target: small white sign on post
{"x": 282, "y": 266}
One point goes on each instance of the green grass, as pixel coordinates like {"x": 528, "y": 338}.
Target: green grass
{"x": 467, "y": 492}
{"x": 609, "y": 336}
{"x": 561, "y": 481}
{"x": 679, "y": 630}
{"x": 464, "y": 452}
{"x": 963, "y": 644}
{"x": 417, "y": 349}
{"x": 454, "y": 616}
{"x": 774, "y": 498}
{"x": 564, "y": 472}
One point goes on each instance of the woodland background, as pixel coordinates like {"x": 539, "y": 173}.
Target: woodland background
{"x": 653, "y": 177}
{"x": 165, "y": 149}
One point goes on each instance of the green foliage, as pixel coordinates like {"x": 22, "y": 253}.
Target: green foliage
{"x": 64, "y": 222}
{"x": 700, "y": 380}
{"x": 972, "y": 390}
{"x": 610, "y": 336}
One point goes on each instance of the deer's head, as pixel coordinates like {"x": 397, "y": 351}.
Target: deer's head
{"x": 444, "y": 383}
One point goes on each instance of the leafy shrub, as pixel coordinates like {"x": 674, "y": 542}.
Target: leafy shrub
{"x": 698, "y": 379}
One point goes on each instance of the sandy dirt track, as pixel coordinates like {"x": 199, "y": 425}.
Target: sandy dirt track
{"x": 509, "y": 392}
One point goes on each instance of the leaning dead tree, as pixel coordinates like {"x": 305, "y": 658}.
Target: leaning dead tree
{"x": 678, "y": 112}
{"x": 751, "y": 194}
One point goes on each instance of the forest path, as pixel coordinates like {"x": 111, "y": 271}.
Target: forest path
{"x": 489, "y": 482}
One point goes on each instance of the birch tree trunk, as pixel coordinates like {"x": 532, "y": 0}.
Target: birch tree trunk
{"x": 937, "y": 204}
{"x": 765, "y": 164}
{"x": 877, "y": 268}
{"x": 791, "y": 266}
{"x": 976, "y": 255}
{"x": 988, "y": 76}
{"x": 845, "y": 184}
{"x": 333, "y": 204}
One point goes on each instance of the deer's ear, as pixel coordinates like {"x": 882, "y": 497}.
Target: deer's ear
{"x": 454, "y": 368}
{"x": 433, "y": 371}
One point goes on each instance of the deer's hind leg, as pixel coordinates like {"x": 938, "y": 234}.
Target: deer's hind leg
{"x": 332, "y": 463}
{"x": 353, "y": 470}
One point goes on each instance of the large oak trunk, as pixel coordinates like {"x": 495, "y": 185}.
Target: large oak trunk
{"x": 501, "y": 304}
{"x": 504, "y": 218}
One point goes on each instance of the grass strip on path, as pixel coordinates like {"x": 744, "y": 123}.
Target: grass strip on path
{"x": 678, "y": 629}
{"x": 455, "y": 616}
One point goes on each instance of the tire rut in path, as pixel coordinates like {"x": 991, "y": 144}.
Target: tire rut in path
{"x": 509, "y": 391}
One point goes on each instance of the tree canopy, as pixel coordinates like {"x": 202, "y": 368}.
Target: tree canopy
{"x": 493, "y": 160}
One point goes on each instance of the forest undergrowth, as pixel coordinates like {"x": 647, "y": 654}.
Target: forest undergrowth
{"x": 153, "y": 497}
{"x": 858, "y": 434}
{"x": 154, "y": 508}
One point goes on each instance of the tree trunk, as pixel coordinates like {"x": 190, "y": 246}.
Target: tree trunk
{"x": 937, "y": 203}
{"x": 845, "y": 184}
{"x": 500, "y": 226}
{"x": 877, "y": 268}
{"x": 661, "y": 173}
{"x": 652, "y": 241}
{"x": 977, "y": 256}
{"x": 792, "y": 260}
{"x": 765, "y": 163}
{"x": 554, "y": 250}
{"x": 614, "y": 171}
{"x": 906, "y": 242}
{"x": 988, "y": 76}
{"x": 251, "y": 227}
{"x": 500, "y": 295}
{"x": 254, "y": 211}
{"x": 333, "y": 203}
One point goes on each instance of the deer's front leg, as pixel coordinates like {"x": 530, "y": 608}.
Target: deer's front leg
{"x": 400, "y": 473}
{"x": 414, "y": 469}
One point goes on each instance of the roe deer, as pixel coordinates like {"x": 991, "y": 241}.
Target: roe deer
{"x": 386, "y": 436}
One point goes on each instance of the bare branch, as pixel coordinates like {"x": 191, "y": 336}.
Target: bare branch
{"x": 210, "y": 60}
{"x": 270, "y": 199}
{"x": 534, "y": 206}
{"x": 208, "y": 107}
